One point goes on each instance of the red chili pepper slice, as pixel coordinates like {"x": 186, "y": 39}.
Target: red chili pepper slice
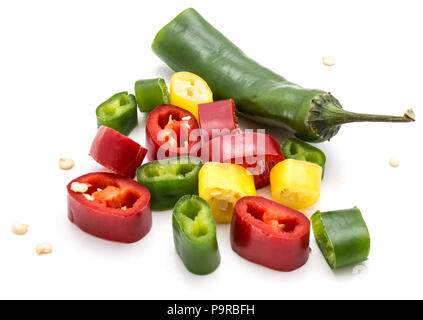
{"x": 268, "y": 233}
{"x": 117, "y": 152}
{"x": 257, "y": 152}
{"x": 218, "y": 118}
{"x": 113, "y": 208}
{"x": 168, "y": 131}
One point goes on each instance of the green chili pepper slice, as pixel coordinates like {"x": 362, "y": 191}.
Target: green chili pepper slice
{"x": 194, "y": 234}
{"x": 169, "y": 179}
{"x": 294, "y": 148}
{"x": 151, "y": 93}
{"x": 342, "y": 236}
{"x": 118, "y": 112}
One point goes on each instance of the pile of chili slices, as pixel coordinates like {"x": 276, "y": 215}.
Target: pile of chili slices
{"x": 201, "y": 165}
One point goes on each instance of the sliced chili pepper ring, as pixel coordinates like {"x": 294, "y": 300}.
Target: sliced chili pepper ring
{"x": 270, "y": 234}
{"x": 117, "y": 152}
{"x": 218, "y": 118}
{"x": 342, "y": 236}
{"x": 194, "y": 234}
{"x": 170, "y": 179}
{"x": 257, "y": 152}
{"x": 113, "y": 207}
{"x": 168, "y": 130}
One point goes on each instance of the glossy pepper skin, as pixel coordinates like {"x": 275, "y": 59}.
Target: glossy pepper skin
{"x": 218, "y": 118}
{"x": 342, "y": 236}
{"x": 296, "y": 183}
{"x": 119, "y": 209}
{"x": 169, "y": 179}
{"x": 190, "y": 43}
{"x": 270, "y": 234}
{"x": 222, "y": 185}
{"x": 117, "y": 152}
{"x": 187, "y": 90}
{"x": 168, "y": 130}
{"x": 119, "y": 113}
{"x": 257, "y": 152}
{"x": 294, "y": 148}
{"x": 194, "y": 234}
{"x": 151, "y": 93}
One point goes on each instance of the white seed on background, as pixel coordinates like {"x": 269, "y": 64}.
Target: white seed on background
{"x": 80, "y": 187}
{"x": 124, "y": 208}
{"x": 329, "y": 60}
{"x": 394, "y": 162}
{"x": 44, "y": 248}
{"x": 66, "y": 164}
{"x": 186, "y": 118}
{"x": 19, "y": 228}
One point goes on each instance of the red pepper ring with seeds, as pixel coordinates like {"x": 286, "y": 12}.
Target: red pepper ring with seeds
{"x": 117, "y": 152}
{"x": 268, "y": 233}
{"x": 168, "y": 130}
{"x": 110, "y": 206}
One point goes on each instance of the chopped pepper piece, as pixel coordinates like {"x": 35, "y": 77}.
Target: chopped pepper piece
{"x": 270, "y": 234}
{"x": 257, "y": 152}
{"x": 294, "y": 148}
{"x": 221, "y": 185}
{"x": 112, "y": 207}
{"x": 194, "y": 234}
{"x": 218, "y": 118}
{"x": 296, "y": 183}
{"x": 151, "y": 93}
{"x": 118, "y": 112}
{"x": 342, "y": 236}
{"x": 168, "y": 130}
{"x": 187, "y": 90}
{"x": 169, "y": 179}
{"x": 117, "y": 152}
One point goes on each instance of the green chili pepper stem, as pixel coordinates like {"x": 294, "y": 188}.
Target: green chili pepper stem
{"x": 326, "y": 115}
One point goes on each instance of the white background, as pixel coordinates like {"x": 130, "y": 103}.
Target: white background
{"x": 60, "y": 59}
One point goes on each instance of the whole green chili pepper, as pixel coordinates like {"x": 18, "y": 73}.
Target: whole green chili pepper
{"x": 294, "y": 148}
{"x": 342, "y": 236}
{"x": 190, "y": 43}
{"x": 169, "y": 179}
{"x": 150, "y": 93}
{"x": 194, "y": 234}
{"x": 118, "y": 112}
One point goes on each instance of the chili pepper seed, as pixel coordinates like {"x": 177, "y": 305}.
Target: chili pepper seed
{"x": 80, "y": 187}
{"x": 19, "y": 228}
{"x": 44, "y": 248}
{"x": 394, "y": 162}
{"x": 66, "y": 164}
{"x": 329, "y": 61}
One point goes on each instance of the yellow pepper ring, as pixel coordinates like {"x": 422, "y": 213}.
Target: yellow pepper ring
{"x": 222, "y": 185}
{"x": 187, "y": 91}
{"x": 295, "y": 183}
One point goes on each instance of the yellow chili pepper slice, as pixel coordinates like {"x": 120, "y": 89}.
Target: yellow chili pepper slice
{"x": 187, "y": 91}
{"x": 296, "y": 183}
{"x": 222, "y": 185}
